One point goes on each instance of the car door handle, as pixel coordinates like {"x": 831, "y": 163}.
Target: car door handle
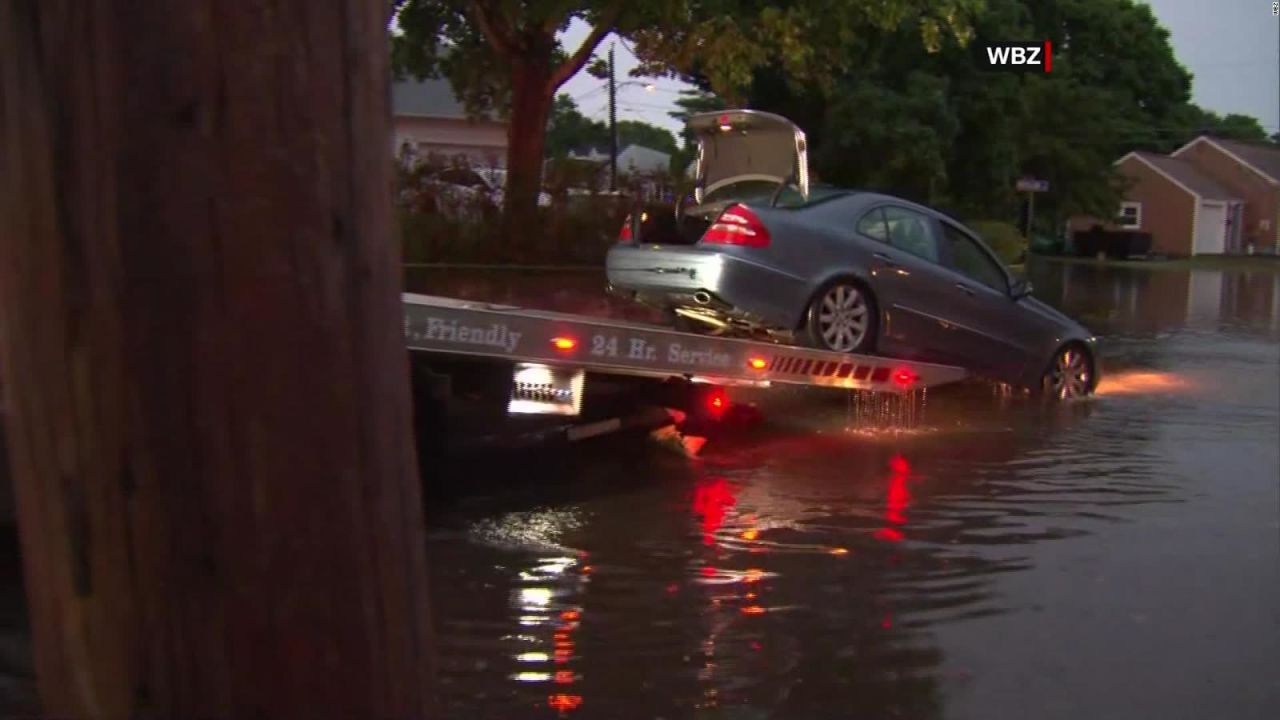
{"x": 885, "y": 259}
{"x": 964, "y": 289}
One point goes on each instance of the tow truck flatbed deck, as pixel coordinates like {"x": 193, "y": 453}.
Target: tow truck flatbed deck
{"x": 602, "y": 345}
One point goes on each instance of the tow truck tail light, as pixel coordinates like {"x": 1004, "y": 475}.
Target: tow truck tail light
{"x": 738, "y": 225}
{"x": 717, "y": 403}
{"x": 904, "y": 377}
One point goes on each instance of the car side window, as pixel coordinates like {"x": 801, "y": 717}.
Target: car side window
{"x": 873, "y": 225}
{"x": 971, "y": 260}
{"x": 911, "y": 232}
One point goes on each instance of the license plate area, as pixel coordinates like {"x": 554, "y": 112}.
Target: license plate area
{"x": 538, "y": 389}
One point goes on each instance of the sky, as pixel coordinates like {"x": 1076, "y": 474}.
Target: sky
{"x": 1231, "y": 47}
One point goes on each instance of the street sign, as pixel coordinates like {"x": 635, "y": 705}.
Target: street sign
{"x": 1028, "y": 184}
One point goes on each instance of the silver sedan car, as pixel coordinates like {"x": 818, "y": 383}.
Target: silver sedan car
{"x": 757, "y": 251}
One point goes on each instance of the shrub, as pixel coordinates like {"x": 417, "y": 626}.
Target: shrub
{"x": 1004, "y": 239}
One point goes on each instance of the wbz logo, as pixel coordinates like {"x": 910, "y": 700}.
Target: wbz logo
{"x": 1017, "y": 56}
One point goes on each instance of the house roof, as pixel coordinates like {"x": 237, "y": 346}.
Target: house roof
{"x": 644, "y": 159}
{"x": 433, "y": 98}
{"x": 1265, "y": 158}
{"x": 632, "y": 157}
{"x": 1184, "y": 174}
{"x": 1262, "y": 158}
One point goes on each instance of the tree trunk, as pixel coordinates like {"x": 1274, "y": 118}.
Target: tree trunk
{"x": 204, "y": 363}
{"x": 526, "y": 138}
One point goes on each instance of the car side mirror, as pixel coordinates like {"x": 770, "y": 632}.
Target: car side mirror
{"x": 1019, "y": 288}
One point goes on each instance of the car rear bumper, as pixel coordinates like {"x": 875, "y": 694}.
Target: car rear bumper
{"x": 693, "y": 277}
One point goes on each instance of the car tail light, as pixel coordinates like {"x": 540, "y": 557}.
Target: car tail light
{"x": 624, "y": 235}
{"x": 737, "y": 225}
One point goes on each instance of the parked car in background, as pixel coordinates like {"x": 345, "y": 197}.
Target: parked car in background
{"x": 757, "y": 251}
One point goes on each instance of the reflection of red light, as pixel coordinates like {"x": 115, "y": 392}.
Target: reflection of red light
{"x": 562, "y": 655}
{"x": 889, "y": 534}
{"x": 565, "y": 703}
{"x": 752, "y": 575}
{"x": 753, "y": 610}
{"x": 887, "y": 622}
{"x": 564, "y": 677}
{"x": 712, "y": 500}
{"x": 897, "y": 502}
{"x": 755, "y": 645}
{"x": 898, "y": 499}
{"x": 570, "y": 615}
{"x": 586, "y": 569}
{"x": 673, "y": 588}
{"x": 708, "y": 571}
{"x": 562, "y": 636}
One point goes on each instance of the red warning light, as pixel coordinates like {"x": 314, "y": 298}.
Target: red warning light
{"x": 904, "y": 377}
{"x": 716, "y": 402}
{"x": 564, "y": 343}
{"x": 564, "y": 703}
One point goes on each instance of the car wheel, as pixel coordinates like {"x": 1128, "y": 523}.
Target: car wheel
{"x": 842, "y": 318}
{"x": 1070, "y": 374}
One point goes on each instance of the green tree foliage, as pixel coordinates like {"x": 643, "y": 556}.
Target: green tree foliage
{"x": 935, "y": 127}
{"x": 569, "y": 131}
{"x": 505, "y": 56}
{"x": 636, "y": 132}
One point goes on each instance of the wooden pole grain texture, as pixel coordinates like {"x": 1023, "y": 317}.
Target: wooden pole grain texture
{"x": 202, "y": 352}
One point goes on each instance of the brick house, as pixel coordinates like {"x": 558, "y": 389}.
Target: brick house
{"x": 1251, "y": 172}
{"x": 427, "y": 119}
{"x": 1185, "y": 211}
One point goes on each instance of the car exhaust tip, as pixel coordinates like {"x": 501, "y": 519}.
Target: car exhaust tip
{"x": 702, "y": 297}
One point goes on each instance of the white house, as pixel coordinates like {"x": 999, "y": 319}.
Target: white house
{"x": 427, "y": 118}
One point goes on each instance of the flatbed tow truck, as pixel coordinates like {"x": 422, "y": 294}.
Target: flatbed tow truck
{"x": 517, "y": 364}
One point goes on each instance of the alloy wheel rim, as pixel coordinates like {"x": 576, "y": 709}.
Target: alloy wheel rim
{"x": 1070, "y": 375}
{"x": 842, "y": 318}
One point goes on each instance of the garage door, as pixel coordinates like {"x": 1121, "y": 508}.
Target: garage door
{"x": 1211, "y": 229}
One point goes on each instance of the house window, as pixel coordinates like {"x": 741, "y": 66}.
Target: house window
{"x": 1130, "y": 215}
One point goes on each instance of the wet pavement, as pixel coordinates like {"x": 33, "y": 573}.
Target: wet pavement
{"x": 1115, "y": 558}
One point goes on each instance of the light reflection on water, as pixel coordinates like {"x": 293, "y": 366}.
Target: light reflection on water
{"x": 940, "y": 567}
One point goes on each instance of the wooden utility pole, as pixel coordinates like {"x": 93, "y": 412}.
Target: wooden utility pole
{"x": 613, "y": 125}
{"x": 203, "y": 360}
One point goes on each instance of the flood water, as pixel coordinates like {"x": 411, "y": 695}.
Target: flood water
{"x": 1115, "y": 558}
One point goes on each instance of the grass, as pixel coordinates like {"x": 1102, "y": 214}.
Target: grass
{"x": 1269, "y": 263}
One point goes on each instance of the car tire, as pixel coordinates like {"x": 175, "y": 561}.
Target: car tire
{"x": 1070, "y": 374}
{"x": 843, "y": 317}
